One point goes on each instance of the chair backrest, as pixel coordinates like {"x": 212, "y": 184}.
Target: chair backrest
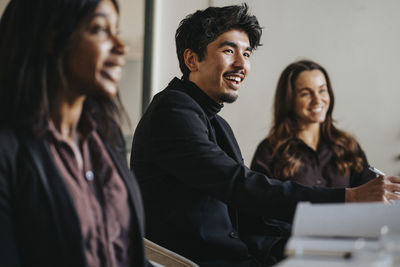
{"x": 160, "y": 256}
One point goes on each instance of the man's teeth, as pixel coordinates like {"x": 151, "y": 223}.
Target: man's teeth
{"x": 234, "y": 78}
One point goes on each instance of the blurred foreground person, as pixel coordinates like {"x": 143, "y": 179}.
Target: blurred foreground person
{"x": 67, "y": 196}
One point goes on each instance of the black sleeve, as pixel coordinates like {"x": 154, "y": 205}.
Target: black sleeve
{"x": 8, "y": 246}
{"x": 182, "y": 148}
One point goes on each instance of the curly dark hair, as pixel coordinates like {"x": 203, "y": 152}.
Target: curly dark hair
{"x": 283, "y": 133}
{"x": 199, "y": 29}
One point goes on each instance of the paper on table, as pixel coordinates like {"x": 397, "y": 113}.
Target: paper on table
{"x": 346, "y": 220}
{"x": 341, "y": 247}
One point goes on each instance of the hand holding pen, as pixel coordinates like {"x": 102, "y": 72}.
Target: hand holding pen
{"x": 376, "y": 171}
{"x": 381, "y": 189}
{"x": 379, "y": 173}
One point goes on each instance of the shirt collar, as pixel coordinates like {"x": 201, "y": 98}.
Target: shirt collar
{"x": 210, "y": 107}
{"x": 86, "y": 126}
{"x": 322, "y": 146}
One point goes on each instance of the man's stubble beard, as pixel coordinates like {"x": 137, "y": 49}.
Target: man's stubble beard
{"x": 228, "y": 98}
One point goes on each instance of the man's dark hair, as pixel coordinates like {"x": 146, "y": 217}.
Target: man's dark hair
{"x": 199, "y": 29}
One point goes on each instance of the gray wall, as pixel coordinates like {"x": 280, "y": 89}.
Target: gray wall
{"x": 132, "y": 32}
{"x": 168, "y": 14}
{"x": 3, "y": 4}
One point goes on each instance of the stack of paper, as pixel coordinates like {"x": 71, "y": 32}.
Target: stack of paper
{"x": 340, "y": 229}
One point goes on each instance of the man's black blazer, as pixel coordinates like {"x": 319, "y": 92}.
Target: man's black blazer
{"x": 193, "y": 179}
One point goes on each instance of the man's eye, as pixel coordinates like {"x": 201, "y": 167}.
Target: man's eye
{"x": 247, "y": 54}
{"x": 229, "y": 51}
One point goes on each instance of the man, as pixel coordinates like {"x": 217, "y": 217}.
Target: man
{"x": 187, "y": 160}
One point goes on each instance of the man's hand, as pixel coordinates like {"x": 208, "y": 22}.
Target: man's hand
{"x": 381, "y": 189}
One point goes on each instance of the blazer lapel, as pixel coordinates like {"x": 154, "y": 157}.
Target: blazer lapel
{"x": 60, "y": 202}
{"x": 137, "y": 213}
{"x": 130, "y": 182}
{"x": 226, "y": 140}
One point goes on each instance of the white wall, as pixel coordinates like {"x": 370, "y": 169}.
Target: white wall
{"x": 168, "y": 14}
{"x": 132, "y": 32}
{"x": 3, "y": 4}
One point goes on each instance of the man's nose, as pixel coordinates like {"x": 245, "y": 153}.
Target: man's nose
{"x": 239, "y": 61}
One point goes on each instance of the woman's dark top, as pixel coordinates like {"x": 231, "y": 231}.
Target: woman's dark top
{"x": 318, "y": 167}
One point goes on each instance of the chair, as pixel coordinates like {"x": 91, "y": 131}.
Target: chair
{"x": 160, "y": 256}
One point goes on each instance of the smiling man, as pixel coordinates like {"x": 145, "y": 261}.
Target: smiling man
{"x": 187, "y": 161}
{"x": 226, "y": 64}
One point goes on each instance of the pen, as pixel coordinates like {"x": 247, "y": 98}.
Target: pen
{"x": 376, "y": 171}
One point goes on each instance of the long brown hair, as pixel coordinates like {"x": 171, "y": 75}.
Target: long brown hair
{"x": 282, "y": 137}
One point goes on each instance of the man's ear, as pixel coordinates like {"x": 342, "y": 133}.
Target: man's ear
{"x": 191, "y": 60}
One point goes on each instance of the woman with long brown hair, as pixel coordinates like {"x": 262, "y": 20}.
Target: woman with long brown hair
{"x": 303, "y": 144}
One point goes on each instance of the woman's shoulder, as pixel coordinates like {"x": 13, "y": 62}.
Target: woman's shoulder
{"x": 261, "y": 161}
{"x": 263, "y": 151}
{"x": 268, "y": 144}
{"x": 347, "y": 142}
{"x": 265, "y": 144}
